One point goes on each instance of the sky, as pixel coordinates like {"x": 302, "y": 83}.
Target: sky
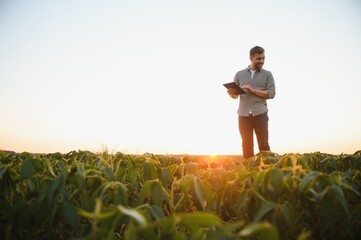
{"x": 146, "y": 76}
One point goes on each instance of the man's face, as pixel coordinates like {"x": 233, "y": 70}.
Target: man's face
{"x": 257, "y": 61}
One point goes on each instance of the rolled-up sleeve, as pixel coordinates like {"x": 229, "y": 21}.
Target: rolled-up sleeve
{"x": 271, "y": 87}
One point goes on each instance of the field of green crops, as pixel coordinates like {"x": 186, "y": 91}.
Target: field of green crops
{"x": 86, "y": 195}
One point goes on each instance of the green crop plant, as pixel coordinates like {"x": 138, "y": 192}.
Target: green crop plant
{"x": 86, "y": 195}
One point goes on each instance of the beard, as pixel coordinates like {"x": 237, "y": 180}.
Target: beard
{"x": 259, "y": 66}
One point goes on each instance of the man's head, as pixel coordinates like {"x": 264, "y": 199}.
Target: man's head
{"x": 257, "y": 56}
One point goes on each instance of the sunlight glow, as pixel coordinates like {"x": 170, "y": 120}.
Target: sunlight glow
{"x": 147, "y": 76}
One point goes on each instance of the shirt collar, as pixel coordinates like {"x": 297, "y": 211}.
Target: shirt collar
{"x": 249, "y": 69}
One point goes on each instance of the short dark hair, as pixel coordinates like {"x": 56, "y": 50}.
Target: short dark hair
{"x": 256, "y": 50}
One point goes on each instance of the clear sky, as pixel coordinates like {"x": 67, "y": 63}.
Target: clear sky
{"x": 146, "y": 76}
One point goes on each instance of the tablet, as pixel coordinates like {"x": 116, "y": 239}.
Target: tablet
{"x": 235, "y": 86}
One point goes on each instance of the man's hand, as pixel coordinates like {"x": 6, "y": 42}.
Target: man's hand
{"x": 232, "y": 93}
{"x": 248, "y": 87}
{"x": 260, "y": 93}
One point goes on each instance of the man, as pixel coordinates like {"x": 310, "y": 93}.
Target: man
{"x": 259, "y": 85}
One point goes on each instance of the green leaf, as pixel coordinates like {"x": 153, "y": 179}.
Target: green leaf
{"x": 109, "y": 173}
{"x": 270, "y": 232}
{"x": 121, "y": 194}
{"x": 244, "y": 174}
{"x": 186, "y": 183}
{"x": 97, "y": 215}
{"x": 240, "y": 201}
{"x": 321, "y": 195}
{"x": 304, "y": 235}
{"x": 156, "y": 193}
{"x": 200, "y": 219}
{"x": 252, "y": 229}
{"x": 177, "y": 236}
{"x": 199, "y": 191}
{"x": 144, "y": 192}
{"x": 131, "y": 232}
{"x": 53, "y": 187}
{"x": 294, "y": 159}
{"x": 256, "y": 185}
{"x": 209, "y": 195}
{"x": 149, "y": 171}
{"x": 119, "y": 190}
{"x": 341, "y": 197}
{"x": 164, "y": 175}
{"x": 349, "y": 187}
{"x": 50, "y": 168}
{"x": 157, "y": 212}
{"x": 27, "y": 169}
{"x": 132, "y": 176}
{"x": 133, "y": 214}
{"x": 260, "y": 196}
{"x": 258, "y": 180}
{"x": 193, "y": 222}
{"x": 70, "y": 215}
{"x": 303, "y": 162}
{"x": 288, "y": 215}
{"x": 276, "y": 180}
{"x": 166, "y": 225}
{"x": 263, "y": 211}
{"x": 328, "y": 211}
{"x": 3, "y": 171}
{"x": 307, "y": 181}
{"x": 264, "y": 230}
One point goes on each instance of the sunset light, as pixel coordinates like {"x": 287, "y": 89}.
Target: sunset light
{"x": 144, "y": 76}
{"x": 116, "y": 121}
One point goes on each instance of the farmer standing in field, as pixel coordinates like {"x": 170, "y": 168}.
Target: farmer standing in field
{"x": 259, "y": 86}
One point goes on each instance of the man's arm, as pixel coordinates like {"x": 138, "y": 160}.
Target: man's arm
{"x": 267, "y": 93}
{"x": 259, "y": 93}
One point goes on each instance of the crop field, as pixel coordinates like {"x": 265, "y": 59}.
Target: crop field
{"x": 86, "y": 195}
